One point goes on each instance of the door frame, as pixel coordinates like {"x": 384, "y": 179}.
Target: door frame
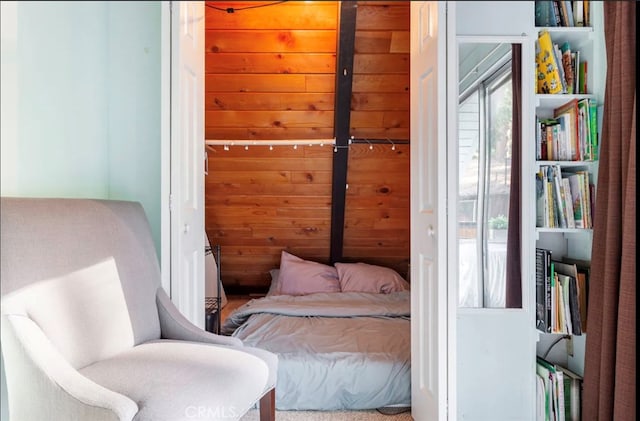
{"x": 182, "y": 214}
{"x": 167, "y": 260}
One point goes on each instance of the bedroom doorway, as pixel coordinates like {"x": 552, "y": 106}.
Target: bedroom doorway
{"x": 430, "y": 360}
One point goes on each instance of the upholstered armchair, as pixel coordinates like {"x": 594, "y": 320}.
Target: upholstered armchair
{"x": 89, "y": 334}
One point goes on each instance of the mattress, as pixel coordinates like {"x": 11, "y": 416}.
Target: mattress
{"x": 336, "y": 351}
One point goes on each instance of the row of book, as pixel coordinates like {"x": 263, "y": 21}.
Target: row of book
{"x": 564, "y": 198}
{"x": 558, "y": 392}
{"x": 561, "y": 294}
{"x": 563, "y": 13}
{"x": 559, "y": 70}
{"x": 571, "y": 135}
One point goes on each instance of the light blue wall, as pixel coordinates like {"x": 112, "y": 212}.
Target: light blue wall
{"x": 81, "y": 103}
{"x": 60, "y": 143}
{"x": 133, "y": 94}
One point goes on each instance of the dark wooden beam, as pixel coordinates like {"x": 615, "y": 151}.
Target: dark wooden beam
{"x": 344, "y": 78}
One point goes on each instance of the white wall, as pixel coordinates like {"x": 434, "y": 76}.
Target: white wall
{"x": 81, "y": 103}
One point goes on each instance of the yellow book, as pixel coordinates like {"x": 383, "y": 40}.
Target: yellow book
{"x": 548, "y": 75}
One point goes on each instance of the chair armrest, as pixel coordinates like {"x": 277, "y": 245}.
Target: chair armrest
{"x": 173, "y": 325}
{"x": 43, "y": 385}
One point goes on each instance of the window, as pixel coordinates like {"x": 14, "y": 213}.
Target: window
{"x": 484, "y": 151}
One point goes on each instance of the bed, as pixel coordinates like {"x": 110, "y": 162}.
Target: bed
{"x": 342, "y": 335}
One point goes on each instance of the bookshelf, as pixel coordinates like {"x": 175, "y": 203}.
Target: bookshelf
{"x": 566, "y": 242}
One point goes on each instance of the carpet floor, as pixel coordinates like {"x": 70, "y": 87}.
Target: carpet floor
{"x": 372, "y": 415}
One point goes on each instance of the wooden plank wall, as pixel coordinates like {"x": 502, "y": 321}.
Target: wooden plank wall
{"x": 270, "y": 74}
{"x": 270, "y": 71}
{"x": 380, "y": 100}
{"x": 377, "y": 223}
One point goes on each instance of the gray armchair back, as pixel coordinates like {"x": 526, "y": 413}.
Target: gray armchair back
{"x": 85, "y": 271}
{"x": 89, "y": 334}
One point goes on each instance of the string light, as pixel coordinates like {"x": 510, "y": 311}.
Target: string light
{"x": 226, "y": 144}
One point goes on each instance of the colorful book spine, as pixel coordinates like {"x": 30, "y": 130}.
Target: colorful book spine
{"x": 548, "y": 73}
{"x": 593, "y": 126}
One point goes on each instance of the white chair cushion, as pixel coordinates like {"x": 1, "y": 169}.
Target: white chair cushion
{"x": 177, "y": 380}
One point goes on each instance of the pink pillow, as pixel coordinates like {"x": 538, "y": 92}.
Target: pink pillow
{"x": 362, "y": 277}
{"x": 300, "y": 277}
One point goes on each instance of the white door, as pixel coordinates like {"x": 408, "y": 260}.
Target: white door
{"x": 429, "y": 363}
{"x": 187, "y": 159}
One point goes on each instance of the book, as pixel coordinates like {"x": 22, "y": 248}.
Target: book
{"x": 541, "y": 399}
{"x": 558, "y": 55}
{"x": 578, "y": 13}
{"x": 571, "y": 311}
{"x": 568, "y": 6}
{"x": 545, "y": 374}
{"x": 558, "y": 196}
{"x": 567, "y": 66}
{"x": 584, "y": 131}
{"x": 546, "y": 138}
{"x": 545, "y": 269}
{"x": 540, "y": 200}
{"x": 575, "y": 62}
{"x": 562, "y": 7}
{"x": 543, "y": 13}
{"x": 561, "y": 307}
{"x": 576, "y": 195}
{"x": 548, "y": 73}
{"x": 555, "y": 14}
{"x": 570, "y": 108}
{"x": 576, "y": 69}
{"x": 585, "y": 184}
{"x": 546, "y": 371}
{"x": 583, "y": 77}
{"x": 552, "y": 140}
{"x": 572, "y": 393}
{"x": 565, "y": 268}
{"x": 552, "y": 203}
{"x": 574, "y": 306}
{"x": 554, "y": 301}
{"x": 543, "y": 296}
{"x": 582, "y": 285}
{"x": 568, "y": 275}
{"x": 582, "y": 282}
{"x": 586, "y": 6}
{"x": 593, "y": 127}
{"x": 555, "y": 387}
{"x": 560, "y": 399}
{"x": 568, "y": 203}
{"x": 563, "y": 139}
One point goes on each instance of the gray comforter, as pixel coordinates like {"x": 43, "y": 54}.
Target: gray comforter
{"x": 336, "y": 351}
